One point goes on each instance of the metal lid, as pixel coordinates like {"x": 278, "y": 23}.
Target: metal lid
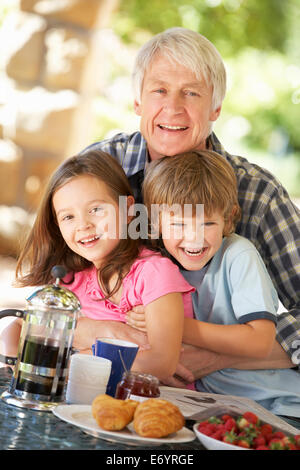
{"x": 54, "y": 296}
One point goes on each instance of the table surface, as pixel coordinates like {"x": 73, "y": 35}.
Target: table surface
{"x": 23, "y": 429}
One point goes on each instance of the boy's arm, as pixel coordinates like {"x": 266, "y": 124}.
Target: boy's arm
{"x": 205, "y": 361}
{"x": 253, "y": 339}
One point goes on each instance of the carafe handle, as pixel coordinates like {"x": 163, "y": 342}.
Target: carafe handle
{"x": 10, "y": 312}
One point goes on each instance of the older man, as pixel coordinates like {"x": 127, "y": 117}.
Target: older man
{"x": 180, "y": 81}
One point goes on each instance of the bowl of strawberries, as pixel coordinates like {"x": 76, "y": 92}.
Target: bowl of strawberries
{"x": 224, "y": 429}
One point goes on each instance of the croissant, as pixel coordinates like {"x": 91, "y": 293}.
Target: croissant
{"x": 112, "y": 414}
{"x": 156, "y": 417}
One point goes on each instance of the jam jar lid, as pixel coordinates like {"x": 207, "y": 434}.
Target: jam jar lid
{"x": 54, "y": 296}
{"x": 133, "y": 375}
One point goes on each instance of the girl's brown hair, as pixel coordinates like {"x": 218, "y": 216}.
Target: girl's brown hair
{"x": 199, "y": 177}
{"x": 45, "y": 246}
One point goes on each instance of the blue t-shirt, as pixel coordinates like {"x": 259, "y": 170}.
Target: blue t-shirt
{"x": 235, "y": 287}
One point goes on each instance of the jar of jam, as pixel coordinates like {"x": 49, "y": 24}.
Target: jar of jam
{"x": 137, "y": 386}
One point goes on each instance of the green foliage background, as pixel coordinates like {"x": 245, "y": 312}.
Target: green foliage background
{"x": 259, "y": 41}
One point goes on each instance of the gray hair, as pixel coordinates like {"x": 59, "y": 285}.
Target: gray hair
{"x": 188, "y": 48}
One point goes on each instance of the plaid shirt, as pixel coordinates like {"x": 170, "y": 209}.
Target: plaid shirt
{"x": 269, "y": 220}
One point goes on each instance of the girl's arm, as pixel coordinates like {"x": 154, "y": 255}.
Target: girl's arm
{"x": 254, "y": 339}
{"x": 164, "y": 323}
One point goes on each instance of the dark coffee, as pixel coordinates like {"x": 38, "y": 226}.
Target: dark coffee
{"x": 30, "y": 384}
{"x": 41, "y": 352}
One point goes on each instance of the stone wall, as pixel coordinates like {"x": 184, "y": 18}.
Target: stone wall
{"x": 50, "y": 66}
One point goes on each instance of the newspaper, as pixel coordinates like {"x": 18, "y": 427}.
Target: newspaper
{"x": 192, "y": 404}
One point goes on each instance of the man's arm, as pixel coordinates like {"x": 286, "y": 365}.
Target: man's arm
{"x": 201, "y": 362}
{"x": 195, "y": 363}
{"x": 277, "y": 239}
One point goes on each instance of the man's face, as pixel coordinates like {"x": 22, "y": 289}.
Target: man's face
{"x": 175, "y": 109}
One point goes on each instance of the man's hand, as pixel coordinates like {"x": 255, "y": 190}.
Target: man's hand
{"x": 202, "y": 362}
{"x": 181, "y": 378}
{"x": 194, "y": 363}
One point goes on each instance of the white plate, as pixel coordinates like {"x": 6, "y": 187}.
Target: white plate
{"x": 81, "y": 416}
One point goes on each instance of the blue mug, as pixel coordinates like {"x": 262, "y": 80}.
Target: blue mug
{"x": 120, "y": 353}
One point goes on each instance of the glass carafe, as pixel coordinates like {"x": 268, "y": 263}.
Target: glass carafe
{"x": 41, "y": 366}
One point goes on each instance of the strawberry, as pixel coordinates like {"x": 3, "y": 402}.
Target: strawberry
{"x": 203, "y": 423}
{"x": 252, "y": 430}
{"x": 278, "y": 435}
{"x": 208, "y": 429}
{"x": 206, "y": 425}
{"x": 290, "y": 446}
{"x": 297, "y": 440}
{"x": 226, "y": 417}
{"x": 251, "y": 417}
{"x": 242, "y": 422}
{"x": 259, "y": 441}
{"x": 266, "y": 430}
{"x": 214, "y": 420}
{"x": 217, "y": 435}
{"x": 243, "y": 443}
{"x": 246, "y": 431}
{"x": 229, "y": 437}
{"x": 276, "y": 444}
{"x": 221, "y": 427}
{"x": 288, "y": 440}
{"x": 230, "y": 424}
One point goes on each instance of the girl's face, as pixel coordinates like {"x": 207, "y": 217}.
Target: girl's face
{"x": 190, "y": 241}
{"x": 88, "y": 217}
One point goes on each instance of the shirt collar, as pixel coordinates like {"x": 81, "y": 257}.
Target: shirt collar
{"x": 143, "y": 157}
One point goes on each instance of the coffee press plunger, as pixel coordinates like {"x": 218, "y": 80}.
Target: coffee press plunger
{"x": 41, "y": 366}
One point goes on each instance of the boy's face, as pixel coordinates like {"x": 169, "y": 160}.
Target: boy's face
{"x": 191, "y": 241}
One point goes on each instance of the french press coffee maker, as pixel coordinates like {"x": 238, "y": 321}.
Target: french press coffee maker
{"x": 41, "y": 366}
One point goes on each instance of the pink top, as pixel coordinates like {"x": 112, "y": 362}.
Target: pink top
{"x": 149, "y": 278}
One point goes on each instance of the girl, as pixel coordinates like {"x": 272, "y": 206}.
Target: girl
{"x": 80, "y": 225}
{"x": 235, "y": 303}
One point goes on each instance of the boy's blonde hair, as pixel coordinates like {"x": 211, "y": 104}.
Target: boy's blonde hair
{"x": 198, "y": 177}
